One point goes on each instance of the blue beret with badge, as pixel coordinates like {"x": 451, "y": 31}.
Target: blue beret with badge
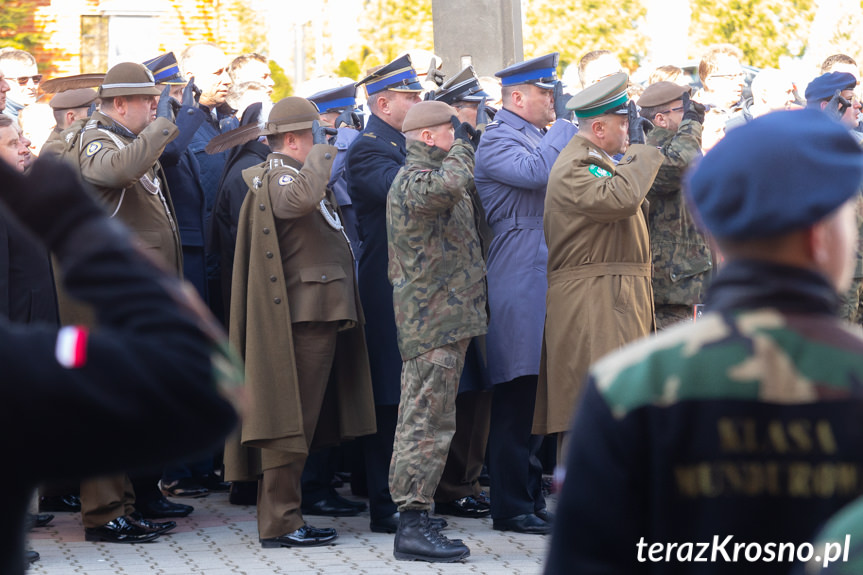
{"x": 398, "y": 75}
{"x": 165, "y": 69}
{"x": 335, "y": 99}
{"x": 781, "y": 172}
{"x": 541, "y": 72}
{"x": 824, "y": 86}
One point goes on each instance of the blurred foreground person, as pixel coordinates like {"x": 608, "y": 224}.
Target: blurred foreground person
{"x": 154, "y": 355}
{"x": 742, "y": 430}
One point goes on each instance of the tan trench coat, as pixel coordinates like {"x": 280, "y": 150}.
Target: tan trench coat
{"x": 599, "y": 267}
{"x": 271, "y": 433}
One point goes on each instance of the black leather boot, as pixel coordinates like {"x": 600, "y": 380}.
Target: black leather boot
{"x": 417, "y": 540}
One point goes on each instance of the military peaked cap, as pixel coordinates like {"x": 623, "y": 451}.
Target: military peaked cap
{"x": 398, "y": 75}
{"x": 608, "y": 96}
{"x": 463, "y": 87}
{"x": 165, "y": 69}
{"x": 781, "y": 172}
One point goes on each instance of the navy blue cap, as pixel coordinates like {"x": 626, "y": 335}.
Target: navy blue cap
{"x": 541, "y": 72}
{"x": 781, "y": 172}
{"x": 398, "y": 75}
{"x": 463, "y": 87}
{"x": 824, "y": 86}
{"x": 165, "y": 69}
{"x": 335, "y": 99}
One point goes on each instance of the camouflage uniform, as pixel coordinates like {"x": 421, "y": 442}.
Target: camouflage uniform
{"x": 850, "y": 307}
{"x": 682, "y": 261}
{"x": 439, "y": 295}
{"x": 745, "y": 424}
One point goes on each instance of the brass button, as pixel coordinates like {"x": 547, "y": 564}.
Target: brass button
{"x": 261, "y": 207}
{"x": 269, "y": 255}
{"x": 272, "y": 278}
{"x": 277, "y": 300}
{"x": 266, "y": 231}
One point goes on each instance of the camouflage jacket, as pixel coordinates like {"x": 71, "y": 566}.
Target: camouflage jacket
{"x": 744, "y": 424}
{"x": 435, "y": 254}
{"x": 682, "y": 261}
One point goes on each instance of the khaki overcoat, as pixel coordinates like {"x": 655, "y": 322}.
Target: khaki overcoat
{"x": 271, "y": 433}
{"x": 599, "y": 268}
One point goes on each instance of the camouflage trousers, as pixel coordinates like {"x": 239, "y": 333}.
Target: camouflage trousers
{"x": 669, "y": 315}
{"x": 425, "y": 425}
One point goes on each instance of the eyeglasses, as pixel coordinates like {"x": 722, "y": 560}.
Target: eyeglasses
{"x": 22, "y": 80}
{"x": 737, "y": 76}
{"x": 677, "y": 109}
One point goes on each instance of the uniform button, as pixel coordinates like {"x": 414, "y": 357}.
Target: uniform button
{"x": 266, "y": 231}
{"x": 324, "y": 277}
{"x": 327, "y": 156}
{"x": 272, "y": 278}
{"x": 674, "y": 276}
{"x": 165, "y": 132}
{"x": 270, "y": 255}
{"x": 190, "y": 111}
{"x": 710, "y": 264}
{"x": 261, "y": 207}
{"x": 452, "y": 290}
{"x": 277, "y": 300}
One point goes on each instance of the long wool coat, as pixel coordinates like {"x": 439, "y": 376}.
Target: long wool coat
{"x": 599, "y": 287}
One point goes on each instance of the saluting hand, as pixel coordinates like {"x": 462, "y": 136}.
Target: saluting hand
{"x": 638, "y": 126}
{"x": 560, "y": 100}
{"x": 322, "y": 134}
{"x": 692, "y": 110}
{"x": 466, "y": 132}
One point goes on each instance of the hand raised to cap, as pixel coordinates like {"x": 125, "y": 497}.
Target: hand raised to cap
{"x": 191, "y": 94}
{"x": 638, "y": 126}
{"x": 349, "y": 118}
{"x": 560, "y": 100}
{"x": 692, "y": 110}
{"x": 482, "y": 117}
{"x": 466, "y": 132}
{"x": 164, "y": 109}
{"x": 322, "y": 134}
{"x": 837, "y": 106}
{"x": 435, "y": 75}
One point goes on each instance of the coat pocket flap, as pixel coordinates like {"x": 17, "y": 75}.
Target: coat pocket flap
{"x": 322, "y": 273}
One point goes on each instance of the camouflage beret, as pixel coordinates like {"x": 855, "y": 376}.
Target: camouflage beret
{"x": 662, "y": 93}
{"x": 69, "y": 99}
{"x": 427, "y": 114}
{"x": 779, "y": 173}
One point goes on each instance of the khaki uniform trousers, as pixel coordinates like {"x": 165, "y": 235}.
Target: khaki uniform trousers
{"x": 279, "y": 489}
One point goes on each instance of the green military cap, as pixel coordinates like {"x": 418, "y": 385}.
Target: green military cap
{"x": 70, "y": 99}
{"x": 289, "y": 115}
{"x": 128, "y": 79}
{"x": 427, "y": 114}
{"x": 662, "y": 93}
{"x": 608, "y": 96}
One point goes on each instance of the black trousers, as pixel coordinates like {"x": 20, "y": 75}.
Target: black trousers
{"x": 514, "y": 469}
{"x": 378, "y": 451}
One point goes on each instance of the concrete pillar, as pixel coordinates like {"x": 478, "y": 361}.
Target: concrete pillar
{"x": 484, "y": 33}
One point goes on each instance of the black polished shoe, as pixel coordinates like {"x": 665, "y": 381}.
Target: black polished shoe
{"x": 464, "y": 507}
{"x": 119, "y": 530}
{"x": 39, "y": 520}
{"x": 390, "y": 523}
{"x": 62, "y": 503}
{"x": 527, "y": 523}
{"x": 31, "y": 556}
{"x": 360, "y": 506}
{"x": 243, "y": 493}
{"x": 213, "y": 483}
{"x": 163, "y": 509}
{"x": 545, "y": 515}
{"x": 330, "y": 507}
{"x": 484, "y": 498}
{"x": 135, "y": 518}
{"x": 305, "y": 536}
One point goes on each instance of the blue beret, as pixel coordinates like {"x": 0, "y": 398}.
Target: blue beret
{"x": 824, "y": 86}
{"x": 779, "y": 173}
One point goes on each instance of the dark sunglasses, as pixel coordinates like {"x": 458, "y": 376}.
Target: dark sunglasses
{"x": 22, "y": 80}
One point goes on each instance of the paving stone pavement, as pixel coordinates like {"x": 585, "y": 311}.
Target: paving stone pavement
{"x": 221, "y": 539}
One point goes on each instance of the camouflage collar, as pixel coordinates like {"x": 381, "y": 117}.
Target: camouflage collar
{"x": 425, "y": 156}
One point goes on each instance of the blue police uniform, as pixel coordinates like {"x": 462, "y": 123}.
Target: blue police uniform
{"x": 512, "y": 167}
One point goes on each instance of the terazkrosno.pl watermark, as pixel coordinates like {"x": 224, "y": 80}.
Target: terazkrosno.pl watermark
{"x": 729, "y": 551}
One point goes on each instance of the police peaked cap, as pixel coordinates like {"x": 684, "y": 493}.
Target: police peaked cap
{"x": 128, "y": 79}
{"x": 335, "y": 99}
{"x": 824, "y": 86}
{"x": 541, "y": 72}
{"x": 781, "y": 172}
{"x": 398, "y": 75}
{"x": 463, "y": 87}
